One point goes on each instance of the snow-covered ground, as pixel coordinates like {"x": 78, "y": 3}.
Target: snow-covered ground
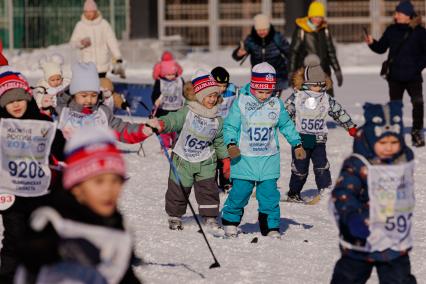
{"x": 309, "y": 247}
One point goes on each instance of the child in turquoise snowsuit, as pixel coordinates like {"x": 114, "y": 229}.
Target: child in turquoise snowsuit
{"x": 250, "y": 133}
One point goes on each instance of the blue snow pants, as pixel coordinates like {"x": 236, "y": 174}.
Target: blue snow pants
{"x": 268, "y": 197}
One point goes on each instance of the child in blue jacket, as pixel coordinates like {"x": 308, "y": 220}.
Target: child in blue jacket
{"x": 251, "y": 135}
{"x": 373, "y": 201}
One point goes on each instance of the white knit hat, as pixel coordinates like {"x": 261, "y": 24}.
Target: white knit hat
{"x": 84, "y": 78}
{"x": 51, "y": 65}
{"x": 204, "y": 85}
{"x": 261, "y": 22}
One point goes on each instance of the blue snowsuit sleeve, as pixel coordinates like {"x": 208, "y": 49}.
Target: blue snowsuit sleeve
{"x": 232, "y": 125}
{"x": 287, "y": 128}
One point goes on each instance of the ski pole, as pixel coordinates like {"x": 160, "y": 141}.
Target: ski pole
{"x": 175, "y": 172}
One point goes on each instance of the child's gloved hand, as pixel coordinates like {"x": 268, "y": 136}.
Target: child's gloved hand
{"x": 299, "y": 152}
{"x": 353, "y": 130}
{"x": 358, "y": 227}
{"x": 226, "y": 168}
{"x": 125, "y": 105}
{"x": 155, "y": 123}
{"x": 118, "y": 69}
{"x": 233, "y": 151}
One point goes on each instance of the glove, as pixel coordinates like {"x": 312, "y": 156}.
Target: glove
{"x": 352, "y": 131}
{"x": 339, "y": 77}
{"x": 226, "y": 168}
{"x": 118, "y": 69}
{"x": 299, "y": 152}
{"x": 233, "y": 151}
{"x": 146, "y": 130}
{"x": 358, "y": 227}
{"x": 125, "y": 105}
{"x": 156, "y": 124}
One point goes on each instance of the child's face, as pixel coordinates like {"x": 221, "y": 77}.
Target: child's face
{"x": 386, "y": 147}
{"x": 315, "y": 88}
{"x": 222, "y": 87}
{"x": 86, "y": 99}
{"x": 170, "y": 77}
{"x": 100, "y": 193}
{"x": 210, "y": 101}
{"x": 17, "y": 108}
{"x": 55, "y": 80}
{"x": 262, "y": 95}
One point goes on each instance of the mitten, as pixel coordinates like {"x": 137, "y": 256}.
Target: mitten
{"x": 125, "y": 105}
{"x": 339, "y": 77}
{"x": 299, "y": 152}
{"x": 233, "y": 151}
{"x": 226, "y": 170}
{"x": 352, "y": 131}
{"x": 156, "y": 124}
{"x": 118, "y": 69}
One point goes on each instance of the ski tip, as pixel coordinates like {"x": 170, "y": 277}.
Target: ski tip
{"x": 254, "y": 240}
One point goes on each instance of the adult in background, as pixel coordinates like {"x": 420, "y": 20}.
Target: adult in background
{"x": 406, "y": 41}
{"x": 312, "y": 36}
{"x": 265, "y": 44}
{"x": 96, "y": 40}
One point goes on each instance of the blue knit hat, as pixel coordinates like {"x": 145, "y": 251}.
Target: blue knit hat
{"x": 383, "y": 120}
{"x": 406, "y": 8}
{"x": 84, "y": 78}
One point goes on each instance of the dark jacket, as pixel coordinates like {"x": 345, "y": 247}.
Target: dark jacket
{"x": 48, "y": 247}
{"x": 307, "y": 41}
{"x": 410, "y": 60}
{"x": 274, "y": 49}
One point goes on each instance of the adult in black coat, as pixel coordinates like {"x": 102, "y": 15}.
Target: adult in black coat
{"x": 406, "y": 41}
{"x": 265, "y": 44}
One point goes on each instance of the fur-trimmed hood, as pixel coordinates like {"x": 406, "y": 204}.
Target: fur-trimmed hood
{"x": 298, "y": 80}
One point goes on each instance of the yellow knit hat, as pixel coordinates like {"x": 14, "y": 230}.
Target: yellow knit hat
{"x": 316, "y": 9}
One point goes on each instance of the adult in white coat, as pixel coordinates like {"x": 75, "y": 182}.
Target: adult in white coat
{"x": 96, "y": 40}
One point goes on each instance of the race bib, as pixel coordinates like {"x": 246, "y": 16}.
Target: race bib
{"x": 70, "y": 120}
{"x": 171, "y": 92}
{"x": 259, "y": 121}
{"x": 24, "y": 156}
{"x": 196, "y": 137}
{"x": 228, "y": 98}
{"x": 311, "y": 113}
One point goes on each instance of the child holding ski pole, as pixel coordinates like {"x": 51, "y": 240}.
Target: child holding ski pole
{"x": 229, "y": 93}
{"x": 251, "y": 134}
{"x": 85, "y": 108}
{"x": 80, "y": 236}
{"x": 195, "y": 154}
{"x": 30, "y": 146}
{"x": 309, "y": 107}
{"x": 167, "y": 94}
{"x": 373, "y": 201}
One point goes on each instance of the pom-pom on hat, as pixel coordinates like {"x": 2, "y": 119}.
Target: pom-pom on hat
{"x": 261, "y": 22}
{"x": 204, "y": 85}
{"x": 91, "y": 151}
{"x": 220, "y": 75}
{"x": 316, "y": 9}
{"x": 90, "y": 5}
{"x": 313, "y": 71}
{"x": 13, "y": 86}
{"x": 84, "y": 78}
{"x": 406, "y": 7}
{"x": 263, "y": 77}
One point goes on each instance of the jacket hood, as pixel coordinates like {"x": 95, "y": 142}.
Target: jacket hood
{"x": 303, "y": 24}
{"x": 95, "y": 22}
{"x": 298, "y": 79}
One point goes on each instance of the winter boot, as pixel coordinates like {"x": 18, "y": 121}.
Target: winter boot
{"x": 294, "y": 197}
{"x": 211, "y": 223}
{"x": 175, "y": 223}
{"x": 274, "y": 234}
{"x": 418, "y": 138}
{"x": 231, "y": 231}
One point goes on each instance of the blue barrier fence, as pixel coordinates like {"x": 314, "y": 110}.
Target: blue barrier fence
{"x": 136, "y": 95}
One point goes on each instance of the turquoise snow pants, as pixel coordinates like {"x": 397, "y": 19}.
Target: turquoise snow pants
{"x": 268, "y": 197}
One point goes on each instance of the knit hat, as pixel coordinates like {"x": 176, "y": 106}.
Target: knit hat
{"x": 204, "y": 85}
{"x": 316, "y": 9}
{"x": 263, "y": 77}
{"x": 13, "y": 87}
{"x": 261, "y": 22}
{"x": 90, "y": 5}
{"x": 220, "y": 75}
{"x": 51, "y": 66}
{"x": 313, "y": 71}
{"x": 91, "y": 151}
{"x": 383, "y": 120}
{"x": 406, "y": 8}
{"x": 84, "y": 78}
{"x": 166, "y": 66}
{"x": 3, "y": 59}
